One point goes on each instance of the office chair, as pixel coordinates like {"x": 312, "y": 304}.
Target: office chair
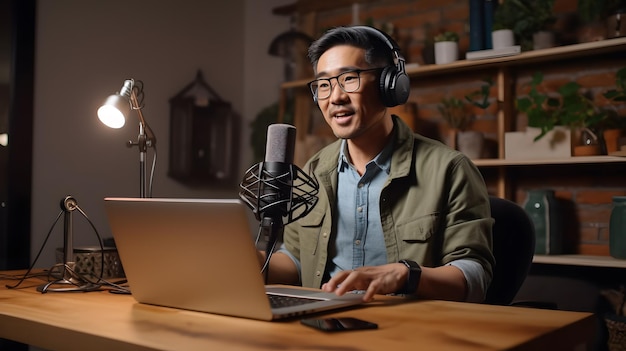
{"x": 513, "y": 248}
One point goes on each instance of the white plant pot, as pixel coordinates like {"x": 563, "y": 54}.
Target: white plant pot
{"x": 502, "y": 38}
{"x": 446, "y": 52}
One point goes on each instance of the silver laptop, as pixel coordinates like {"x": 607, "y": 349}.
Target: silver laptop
{"x": 198, "y": 254}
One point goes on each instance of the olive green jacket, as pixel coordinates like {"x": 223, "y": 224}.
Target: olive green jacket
{"x": 434, "y": 208}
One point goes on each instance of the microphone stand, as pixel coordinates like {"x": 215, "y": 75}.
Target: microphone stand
{"x": 274, "y": 229}
{"x": 68, "y": 275}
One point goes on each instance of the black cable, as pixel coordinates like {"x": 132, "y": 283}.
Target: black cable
{"x": 268, "y": 256}
{"x": 138, "y": 87}
{"x": 268, "y": 253}
{"x": 18, "y": 277}
{"x": 154, "y": 159}
{"x": 38, "y": 254}
{"x": 99, "y": 242}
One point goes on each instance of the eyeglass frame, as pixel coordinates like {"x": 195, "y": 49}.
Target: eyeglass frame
{"x": 358, "y": 71}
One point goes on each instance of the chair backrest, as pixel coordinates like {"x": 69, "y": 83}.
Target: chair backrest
{"x": 513, "y": 248}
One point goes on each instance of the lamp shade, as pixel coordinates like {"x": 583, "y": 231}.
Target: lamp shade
{"x": 114, "y": 111}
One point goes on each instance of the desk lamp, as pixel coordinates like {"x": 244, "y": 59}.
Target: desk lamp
{"x": 114, "y": 112}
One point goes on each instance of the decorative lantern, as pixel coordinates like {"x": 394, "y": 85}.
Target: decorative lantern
{"x": 204, "y": 136}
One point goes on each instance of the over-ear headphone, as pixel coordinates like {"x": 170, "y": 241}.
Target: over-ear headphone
{"x": 394, "y": 83}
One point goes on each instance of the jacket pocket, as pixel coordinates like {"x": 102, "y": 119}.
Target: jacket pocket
{"x": 310, "y": 231}
{"x": 419, "y": 229}
{"x": 313, "y": 219}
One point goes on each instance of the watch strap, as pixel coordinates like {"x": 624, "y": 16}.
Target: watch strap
{"x": 413, "y": 279}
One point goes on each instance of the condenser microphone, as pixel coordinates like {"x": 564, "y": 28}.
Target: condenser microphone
{"x": 277, "y": 191}
{"x": 276, "y": 188}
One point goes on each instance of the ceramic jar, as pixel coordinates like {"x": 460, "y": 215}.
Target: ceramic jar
{"x": 543, "y": 209}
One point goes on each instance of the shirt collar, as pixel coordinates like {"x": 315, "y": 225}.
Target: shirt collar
{"x": 343, "y": 159}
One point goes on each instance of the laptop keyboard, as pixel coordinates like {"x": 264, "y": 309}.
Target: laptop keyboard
{"x": 277, "y": 301}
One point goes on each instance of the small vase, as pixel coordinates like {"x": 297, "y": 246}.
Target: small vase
{"x": 543, "y": 210}
{"x": 543, "y": 39}
{"x": 611, "y": 139}
{"x": 617, "y": 228}
{"x": 471, "y": 143}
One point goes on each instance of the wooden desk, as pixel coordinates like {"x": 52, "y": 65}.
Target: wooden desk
{"x": 104, "y": 321}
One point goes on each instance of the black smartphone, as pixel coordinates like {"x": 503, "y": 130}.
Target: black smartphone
{"x": 338, "y": 324}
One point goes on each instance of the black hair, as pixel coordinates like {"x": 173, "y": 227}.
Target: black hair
{"x": 377, "y": 51}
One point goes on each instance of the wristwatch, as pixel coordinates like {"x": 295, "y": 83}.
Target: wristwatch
{"x": 413, "y": 280}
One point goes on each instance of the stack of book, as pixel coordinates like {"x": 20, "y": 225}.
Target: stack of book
{"x": 481, "y": 23}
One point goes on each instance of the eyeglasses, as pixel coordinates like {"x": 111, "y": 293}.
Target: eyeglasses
{"x": 349, "y": 82}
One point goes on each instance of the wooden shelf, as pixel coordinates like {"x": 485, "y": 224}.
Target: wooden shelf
{"x": 580, "y": 260}
{"x": 524, "y": 58}
{"x": 562, "y": 161}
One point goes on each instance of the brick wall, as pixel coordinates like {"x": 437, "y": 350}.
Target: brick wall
{"x": 584, "y": 191}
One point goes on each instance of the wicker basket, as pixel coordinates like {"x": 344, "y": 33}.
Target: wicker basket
{"x": 88, "y": 260}
{"x": 617, "y": 332}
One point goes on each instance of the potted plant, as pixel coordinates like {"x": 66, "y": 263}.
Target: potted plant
{"x": 568, "y": 107}
{"x": 541, "y": 24}
{"x": 602, "y": 19}
{"x": 475, "y": 140}
{"x": 454, "y": 111}
{"x": 614, "y": 124}
{"x": 524, "y": 18}
{"x": 504, "y": 19}
{"x": 446, "y": 47}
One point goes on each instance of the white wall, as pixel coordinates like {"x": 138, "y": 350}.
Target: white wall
{"x": 85, "y": 50}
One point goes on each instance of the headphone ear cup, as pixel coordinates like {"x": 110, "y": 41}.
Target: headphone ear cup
{"x": 386, "y": 81}
{"x": 402, "y": 88}
{"x": 394, "y": 87}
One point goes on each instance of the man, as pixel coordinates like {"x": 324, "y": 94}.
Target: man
{"x": 397, "y": 212}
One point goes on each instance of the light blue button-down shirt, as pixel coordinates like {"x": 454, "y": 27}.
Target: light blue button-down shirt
{"x": 360, "y": 240}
